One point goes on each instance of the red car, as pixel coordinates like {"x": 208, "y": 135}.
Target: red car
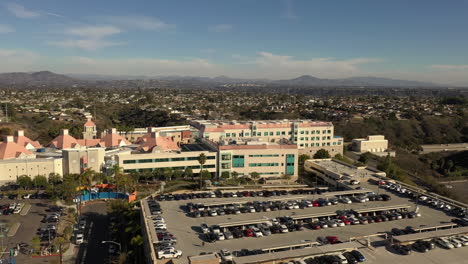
{"x": 315, "y": 204}
{"x": 249, "y": 233}
{"x": 315, "y": 226}
{"x": 346, "y": 221}
{"x": 332, "y": 239}
{"x": 163, "y": 234}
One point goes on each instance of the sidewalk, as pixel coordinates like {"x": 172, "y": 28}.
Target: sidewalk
{"x": 26, "y": 209}
{"x": 69, "y": 256}
{"x": 14, "y": 228}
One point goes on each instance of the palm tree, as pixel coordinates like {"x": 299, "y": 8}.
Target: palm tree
{"x": 255, "y": 176}
{"x": 201, "y": 160}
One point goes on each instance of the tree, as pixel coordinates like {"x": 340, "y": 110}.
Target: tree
{"x": 40, "y": 181}
{"x": 188, "y": 173}
{"x": 322, "y": 154}
{"x": 364, "y": 158}
{"x": 24, "y": 182}
{"x": 255, "y": 176}
{"x": 177, "y": 174}
{"x": 205, "y": 175}
{"x": 235, "y": 175}
{"x": 202, "y": 161}
{"x": 225, "y": 175}
{"x": 54, "y": 179}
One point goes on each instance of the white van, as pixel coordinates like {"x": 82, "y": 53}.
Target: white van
{"x": 343, "y": 259}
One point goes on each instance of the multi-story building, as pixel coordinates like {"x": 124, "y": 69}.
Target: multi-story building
{"x": 373, "y": 143}
{"x": 308, "y": 135}
{"x": 268, "y": 159}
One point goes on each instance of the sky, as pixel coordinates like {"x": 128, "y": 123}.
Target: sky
{"x": 425, "y": 40}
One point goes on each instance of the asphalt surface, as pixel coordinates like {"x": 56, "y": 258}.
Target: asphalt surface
{"x": 93, "y": 251}
{"x": 27, "y": 230}
{"x": 186, "y": 229}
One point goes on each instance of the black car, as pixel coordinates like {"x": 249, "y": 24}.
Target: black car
{"x": 210, "y": 237}
{"x": 350, "y": 258}
{"x": 358, "y": 255}
{"x": 429, "y": 244}
{"x": 401, "y": 249}
{"x": 397, "y": 232}
{"x": 386, "y": 197}
{"x": 420, "y": 246}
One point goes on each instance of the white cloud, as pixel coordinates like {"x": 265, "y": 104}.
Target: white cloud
{"x": 139, "y": 22}
{"x": 281, "y": 66}
{"x": 140, "y": 66}
{"x": 93, "y": 32}
{"x": 21, "y": 12}
{"x": 221, "y": 28}
{"x": 86, "y": 44}
{"x": 17, "y": 60}
{"x": 6, "y": 29}
{"x": 91, "y": 38}
{"x": 449, "y": 67}
{"x": 289, "y": 10}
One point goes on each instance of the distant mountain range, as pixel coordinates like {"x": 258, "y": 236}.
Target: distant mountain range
{"x": 35, "y": 78}
{"x": 47, "y": 77}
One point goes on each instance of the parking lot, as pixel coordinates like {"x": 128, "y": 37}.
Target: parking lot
{"x": 187, "y": 229}
{"x": 29, "y": 225}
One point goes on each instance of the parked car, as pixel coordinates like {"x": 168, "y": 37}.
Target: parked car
{"x": 358, "y": 255}
{"x": 169, "y": 254}
{"x": 401, "y": 249}
{"x": 444, "y": 243}
{"x": 225, "y": 255}
{"x": 79, "y": 238}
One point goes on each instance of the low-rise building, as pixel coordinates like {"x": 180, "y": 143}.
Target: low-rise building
{"x": 373, "y": 143}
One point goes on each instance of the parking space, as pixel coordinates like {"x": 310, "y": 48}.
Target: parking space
{"x": 187, "y": 229}
{"x": 30, "y": 220}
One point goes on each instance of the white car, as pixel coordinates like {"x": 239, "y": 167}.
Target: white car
{"x": 17, "y": 210}
{"x": 257, "y": 232}
{"x": 27, "y": 196}
{"x": 339, "y": 222}
{"x": 169, "y": 254}
{"x": 284, "y": 229}
{"x": 456, "y": 242}
{"x": 213, "y": 212}
{"x": 82, "y": 224}
{"x": 160, "y": 226}
{"x": 445, "y": 243}
{"x": 226, "y": 255}
{"x": 12, "y": 206}
{"x": 79, "y": 238}
{"x": 220, "y": 236}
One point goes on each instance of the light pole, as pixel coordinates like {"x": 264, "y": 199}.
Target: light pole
{"x": 113, "y": 242}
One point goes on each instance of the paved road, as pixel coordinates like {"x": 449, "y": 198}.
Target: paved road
{"x": 93, "y": 251}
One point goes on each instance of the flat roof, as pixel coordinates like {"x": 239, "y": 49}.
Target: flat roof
{"x": 431, "y": 234}
{"x": 344, "y": 169}
{"x": 382, "y": 208}
{"x": 298, "y": 253}
{"x": 193, "y": 147}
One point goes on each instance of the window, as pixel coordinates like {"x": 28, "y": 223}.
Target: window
{"x": 265, "y": 134}
{"x": 228, "y": 134}
{"x": 307, "y": 132}
{"x": 271, "y": 133}
{"x": 247, "y": 134}
{"x": 302, "y": 132}
{"x": 339, "y": 143}
{"x": 301, "y": 138}
{"x": 263, "y": 164}
{"x": 323, "y": 144}
{"x": 289, "y": 133}
{"x": 324, "y": 131}
{"x": 278, "y": 133}
{"x": 317, "y": 138}
{"x": 328, "y": 143}
{"x": 317, "y": 131}
{"x": 283, "y": 133}
{"x": 259, "y": 134}
{"x": 211, "y": 157}
{"x": 323, "y": 138}
{"x": 302, "y": 145}
{"x": 129, "y": 161}
{"x": 238, "y": 161}
{"x": 317, "y": 144}
{"x": 177, "y": 159}
{"x": 263, "y": 156}
{"x": 233, "y": 134}
{"x": 313, "y": 132}
{"x": 225, "y": 165}
{"x": 328, "y": 137}
{"x": 226, "y": 157}
{"x": 307, "y": 138}
{"x": 241, "y": 134}
{"x": 329, "y": 131}
{"x": 307, "y": 145}
{"x": 334, "y": 143}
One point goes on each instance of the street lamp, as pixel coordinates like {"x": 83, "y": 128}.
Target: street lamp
{"x": 113, "y": 242}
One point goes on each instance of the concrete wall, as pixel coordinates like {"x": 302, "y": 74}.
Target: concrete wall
{"x": 142, "y": 161}
{"x": 11, "y": 169}
{"x": 73, "y": 160}
{"x": 375, "y": 143}
{"x": 275, "y": 156}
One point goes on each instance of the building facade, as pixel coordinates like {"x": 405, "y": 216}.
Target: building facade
{"x": 309, "y": 136}
{"x": 374, "y": 143}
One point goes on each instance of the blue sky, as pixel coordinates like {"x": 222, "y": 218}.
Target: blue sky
{"x": 417, "y": 40}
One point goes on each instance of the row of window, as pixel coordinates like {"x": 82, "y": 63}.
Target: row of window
{"x": 165, "y": 160}
{"x": 315, "y": 138}
{"x": 209, "y": 166}
{"x": 278, "y": 133}
{"x": 264, "y": 156}
{"x": 263, "y": 164}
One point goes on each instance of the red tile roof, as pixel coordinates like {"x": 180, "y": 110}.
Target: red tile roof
{"x": 9, "y": 149}
{"x": 89, "y": 123}
{"x": 164, "y": 143}
{"x": 22, "y": 140}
